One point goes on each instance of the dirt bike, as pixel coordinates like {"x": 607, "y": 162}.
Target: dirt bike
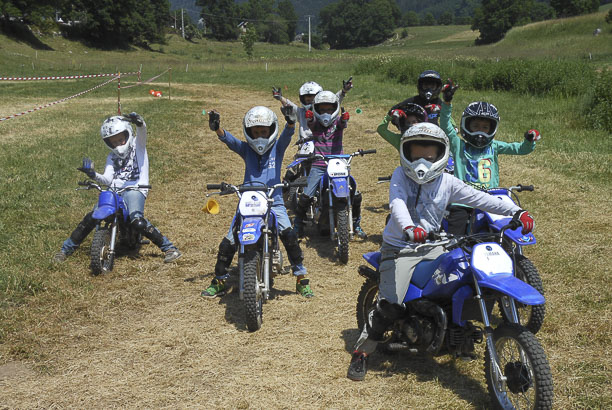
{"x": 532, "y": 317}
{"x": 256, "y": 231}
{"x": 113, "y": 230}
{"x": 446, "y": 294}
{"x": 334, "y": 198}
{"x": 298, "y": 169}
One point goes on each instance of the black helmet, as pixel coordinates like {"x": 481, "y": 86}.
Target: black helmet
{"x": 429, "y": 75}
{"x": 416, "y": 110}
{"x": 484, "y": 110}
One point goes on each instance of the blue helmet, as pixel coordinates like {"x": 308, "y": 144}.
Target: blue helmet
{"x": 484, "y": 110}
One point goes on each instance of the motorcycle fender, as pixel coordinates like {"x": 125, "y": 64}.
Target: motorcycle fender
{"x": 513, "y": 287}
{"x": 250, "y": 231}
{"x": 340, "y": 187}
{"x": 296, "y": 162}
{"x": 373, "y": 258}
{"x": 103, "y": 212}
{"x": 515, "y": 235}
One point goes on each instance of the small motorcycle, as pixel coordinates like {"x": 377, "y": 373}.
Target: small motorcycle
{"x": 532, "y": 317}
{"x": 444, "y": 297}
{"x": 256, "y": 231}
{"x": 333, "y": 201}
{"x": 113, "y": 231}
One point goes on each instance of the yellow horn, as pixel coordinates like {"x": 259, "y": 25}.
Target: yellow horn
{"x": 211, "y": 207}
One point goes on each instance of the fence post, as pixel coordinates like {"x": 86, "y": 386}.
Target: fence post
{"x": 119, "y": 94}
{"x": 169, "y": 82}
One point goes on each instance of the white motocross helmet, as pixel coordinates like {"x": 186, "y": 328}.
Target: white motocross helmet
{"x": 422, "y": 171}
{"x": 260, "y": 116}
{"x": 113, "y": 126}
{"x": 309, "y": 88}
{"x": 326, "y": 97}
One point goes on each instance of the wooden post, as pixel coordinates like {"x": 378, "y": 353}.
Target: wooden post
{"x": 169, "y": 82}
{"x": 119, "y": 94}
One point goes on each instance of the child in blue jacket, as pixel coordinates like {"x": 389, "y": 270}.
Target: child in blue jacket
{"x": 263, "y": 154}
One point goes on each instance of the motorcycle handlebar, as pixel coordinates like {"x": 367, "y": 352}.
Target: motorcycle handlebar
{"x": 367, "y": 151}
{"x": 525, "y": 188}
{"x": 213, "y": 186}
{"x": 382, "y": 179}
{"x": 299, "y": 184}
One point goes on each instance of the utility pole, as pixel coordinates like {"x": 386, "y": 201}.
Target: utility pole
{"x": 175, "y": 19}
{"x": 182, "y": 24}
{"x": 309, "y": 36}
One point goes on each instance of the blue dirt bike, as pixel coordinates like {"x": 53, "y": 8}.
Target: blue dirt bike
{"x": 332, "y": 208}
{"x": 113, "y": 230}
{"x": 256, "y": 231}
{"x": 447, "y": 294}
{"x": 532, "y": 317}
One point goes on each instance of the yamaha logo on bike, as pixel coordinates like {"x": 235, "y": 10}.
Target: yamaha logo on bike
{"x": 489, "y": 248}
{"x": 254, "y": 198}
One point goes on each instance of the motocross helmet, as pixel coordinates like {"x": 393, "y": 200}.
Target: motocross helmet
{"x": 479, "y": 109}
{"x": 260, "y": 116}
{"x": 326, "y": 97}
{"x": 416, "y": 110}
{"x": 422, "y": 171}
{"x": 429, "y": 93}
{"x": 113, "y": 126}
{"x": 309, "y": 88}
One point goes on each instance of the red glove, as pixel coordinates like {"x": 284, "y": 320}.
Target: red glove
{"x": 533, "y": 135}
{"x": 309, "y": 115}
{"x": 345, "y": 116}
{"x": 398, "y": 114}
{"x": 526, "y": 221}
{"x": 432, "y": 108}
{"x": 415, "y": 234}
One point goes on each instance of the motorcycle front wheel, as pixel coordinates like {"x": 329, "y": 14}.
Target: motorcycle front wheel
{"x": 101, "y": 258}
{"x": 528, "y": 380}
{"x": 343, "y": 230}
{"x": 253, "y": 298}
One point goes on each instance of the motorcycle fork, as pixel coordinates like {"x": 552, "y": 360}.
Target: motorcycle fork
{"x": 499, "y": 375}
{"x": 113, "y": 239}
{"x": 332, "y": 226}
{"x": 266, "y": 259}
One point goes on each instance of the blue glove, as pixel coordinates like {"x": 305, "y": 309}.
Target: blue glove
{"x": 88, "y": 168}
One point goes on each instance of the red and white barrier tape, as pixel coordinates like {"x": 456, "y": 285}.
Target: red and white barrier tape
{"x": 145, "y": 82}
{"x": 63, "y": 77}
{"x": 59, "y": 101}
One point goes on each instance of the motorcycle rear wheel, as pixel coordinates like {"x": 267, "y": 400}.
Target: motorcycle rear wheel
{"x": 532, "y": 317}
{"x": 101, "y": 259}
{"x": 366, "y": 300}
{"x": 253, "y": 298}
{"x": 524, "y": 364}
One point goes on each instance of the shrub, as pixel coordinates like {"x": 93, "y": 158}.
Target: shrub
{"x": 598, "y": 109}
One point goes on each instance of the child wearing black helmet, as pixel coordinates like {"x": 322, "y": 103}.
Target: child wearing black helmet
{"x": 476, "y": 154}
{"x": 429, "y": 85}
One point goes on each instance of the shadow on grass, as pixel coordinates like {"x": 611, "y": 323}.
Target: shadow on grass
{"x": 424, "y": 368}
{"x": 20, "y": 33}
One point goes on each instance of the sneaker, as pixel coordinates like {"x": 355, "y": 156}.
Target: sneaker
{"x": 360, "y": 232}
{"x": 60, "y": 257}
{"x": 172, "y": 255}
{"x": 303, "y": 288}
{"x": 216, "y": 288}
{"x": 358, "y": 367}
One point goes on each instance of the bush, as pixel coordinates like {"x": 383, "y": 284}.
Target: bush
{"x": 598, "y": 110}
{"x": 537, "y": 77}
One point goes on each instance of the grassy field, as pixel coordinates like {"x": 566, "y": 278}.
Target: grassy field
{"x": 142, "y": 336}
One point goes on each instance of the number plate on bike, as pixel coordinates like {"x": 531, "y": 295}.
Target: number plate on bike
{"x": 253, "y": 203}
{"x": 337, "y": 167}
{"x": 491, "y": 259}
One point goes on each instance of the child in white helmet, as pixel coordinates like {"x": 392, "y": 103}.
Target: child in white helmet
{"x": 419, "y": 193}
{"x": 326, "y": 122}
{"x": 127, "y": 164}
{"x": 307, "y": 93}
{"x": 263, "y": 154}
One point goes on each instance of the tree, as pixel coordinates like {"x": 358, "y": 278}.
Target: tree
{"x": 566, "y": 8}
{"x": 542, "y": 11}
{"x": 411, "y": 19}
{"x": 446, "y": 18}
{"x": 248, "y": 40}
{"x": 428, "y": 20}
{"x": 609, "y": 17}
{"x": 219, "y": 16}
{"x": 495, "y": 17}
{"x": 287, "y": 12}
{"x": 355, "y": 23}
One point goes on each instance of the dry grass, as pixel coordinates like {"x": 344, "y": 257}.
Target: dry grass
{"x": 143, "y": 337}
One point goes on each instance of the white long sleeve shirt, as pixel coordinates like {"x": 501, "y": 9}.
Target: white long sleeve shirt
{"x": 423, "y": 205}
{"x": 131, "y": 170}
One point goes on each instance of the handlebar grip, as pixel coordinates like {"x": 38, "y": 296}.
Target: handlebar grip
{"x": 83, "y": 183}
{"x": 514, "y": 224}
{"x": 384, "y": 178}
{"x": 299, "y": 183}
{"x": 525, "y": 187}
{"x": 368, "y": 151}
{"x": 145, "y": 186}
{"x": 213, "y": 186}
{"x": 303, "y": 156}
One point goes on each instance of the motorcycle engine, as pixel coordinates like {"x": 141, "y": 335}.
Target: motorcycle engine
{"x": 419, "y": 331}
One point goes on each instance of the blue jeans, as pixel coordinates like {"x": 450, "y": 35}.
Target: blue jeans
{"x": 314, "y": 179}
{"x": 282, "y": 219}
{"x": 134, "y": 202}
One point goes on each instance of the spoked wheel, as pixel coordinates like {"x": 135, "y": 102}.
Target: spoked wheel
{"x": 343, "y": 229}
{"x": 366, "y": 300}
{"x": 253, "y": 298}
{"x": 102, "y": 260}
{"x": 522, "y": 362}
{"x": 532, "y": 317}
